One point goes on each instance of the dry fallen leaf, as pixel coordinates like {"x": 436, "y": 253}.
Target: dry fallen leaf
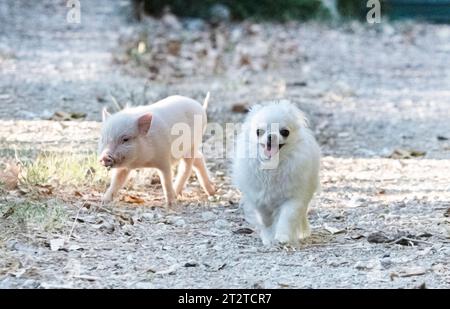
{"x": 240, "y": 108}
{"x": 170, "y": 270}
{"x": 9, "y": 177}
{"x": 243, "y": 230}
{"x": 45, "y": 189}
{"x": 56, "y": 244}
{"x": 86, "y": 277}
{"x": 8, "y": 213}
{"x": 65, "y": 116}
{"x": 333, "y": 230}
{"x": 132, "y": 199}
{"x": 406, "y": 154}
{"x": 447, "y": 213}
{"x": 412, "y": 271}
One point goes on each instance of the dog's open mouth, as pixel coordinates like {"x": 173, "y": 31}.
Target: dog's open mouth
{"x": 271, "y": 150}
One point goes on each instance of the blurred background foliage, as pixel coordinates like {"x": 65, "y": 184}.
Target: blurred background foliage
{"x": 284, "y": 10}
{"x": 238, "y": 9}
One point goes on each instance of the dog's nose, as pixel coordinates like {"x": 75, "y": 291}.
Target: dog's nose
{"x": 107, "y": 161}
{"x": 270, "y": 138}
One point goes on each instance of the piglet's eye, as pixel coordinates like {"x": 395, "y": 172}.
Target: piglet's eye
{"x": 125, "y": 139}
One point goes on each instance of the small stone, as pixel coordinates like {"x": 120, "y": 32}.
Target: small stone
{"x": 386, "y": 263}
{"x": 367, "y": 265}
{"x": 378, "y": 238}
{"x": 212, "y": 198}
{"x": 208, "y": 215}
{"x": 194, "y": 24}
{"x": 143, "y": 285}
{"x": 190, "y": 264}
{"x": 218, "y": 248}
{"x": 180, "y": 223}
{"x": 148, "y": 216}
{"x": 221, "y": 224}
{"x": 56, "y": 244}
{"x": 30, "y": 284}
{"x": 220, "y": 173}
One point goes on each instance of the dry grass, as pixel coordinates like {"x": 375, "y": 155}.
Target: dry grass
{"x": 63, "y": 171}
{"x": 47, "y": 216}
{"x": 45, "y": 185}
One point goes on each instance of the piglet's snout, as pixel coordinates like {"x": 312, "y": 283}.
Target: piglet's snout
{"x": 106, "y": 160}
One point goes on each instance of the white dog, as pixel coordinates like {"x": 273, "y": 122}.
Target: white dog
{"x": 277, "y": 171}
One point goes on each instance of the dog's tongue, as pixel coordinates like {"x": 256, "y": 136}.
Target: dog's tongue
{"x": 270, "y": 151}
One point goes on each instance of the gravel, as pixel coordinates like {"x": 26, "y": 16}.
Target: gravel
{"x": 368, "y": 90}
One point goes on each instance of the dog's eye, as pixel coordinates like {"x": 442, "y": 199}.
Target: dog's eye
{"x": 259, "y": 132}
{"x": 284, "y": 132}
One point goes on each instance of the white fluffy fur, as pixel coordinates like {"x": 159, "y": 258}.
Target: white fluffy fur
{"x": 276, "y": 200}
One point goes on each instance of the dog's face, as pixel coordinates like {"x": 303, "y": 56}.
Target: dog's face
{"x": 271, "y": 137}
{"x": 275, "y": 128}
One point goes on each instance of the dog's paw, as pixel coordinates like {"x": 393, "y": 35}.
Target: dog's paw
{"x": 288, "y": 247}
{"x": 304, "y": 233}
{"x": 285, "y": 242}
{"x": 282, "y": 238}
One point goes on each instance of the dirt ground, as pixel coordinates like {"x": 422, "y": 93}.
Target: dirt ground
{"x": 381, "y": 221}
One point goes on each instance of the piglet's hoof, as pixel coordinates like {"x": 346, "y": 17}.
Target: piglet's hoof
{"x": 107, "y": 198}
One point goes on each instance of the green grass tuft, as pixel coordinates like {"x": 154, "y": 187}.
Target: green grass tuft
{"x": 63, "y": 170}
{"x": 47, "y": 216}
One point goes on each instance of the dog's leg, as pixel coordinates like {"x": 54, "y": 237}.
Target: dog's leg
{"x": 202, "y": 174}
{"x": 264, "y": 223}
{"x": 183, "y": 174}
{"x": 119, "y": 176}
{"x": 266, "y": 234}
{"x": 291, "y": 218}
{"x": 165, "y": 174}
{"x": 304, "y": 229}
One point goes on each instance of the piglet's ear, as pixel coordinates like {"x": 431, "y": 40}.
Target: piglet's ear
{"x": 105, "y": 114}
{"x": 144, "y": 123}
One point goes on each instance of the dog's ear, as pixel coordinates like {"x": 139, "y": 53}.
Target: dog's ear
{"x": 303, "y": 119}
{"x": 254, "y": 108}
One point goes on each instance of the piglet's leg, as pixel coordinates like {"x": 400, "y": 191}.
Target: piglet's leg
{"x": 184, "y": 171}
{"x": 165, "y": 174}
{"x": 119, "y": 176}
{"x": 202, "y": 174}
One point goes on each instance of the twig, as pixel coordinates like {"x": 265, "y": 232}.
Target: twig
{"x": 411, "y": 240}
{"x": 75, "y": 221}
{"x": 105, "y": 209}
{"x": 117, "y": 104}
{"x": 86, "y": 277}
